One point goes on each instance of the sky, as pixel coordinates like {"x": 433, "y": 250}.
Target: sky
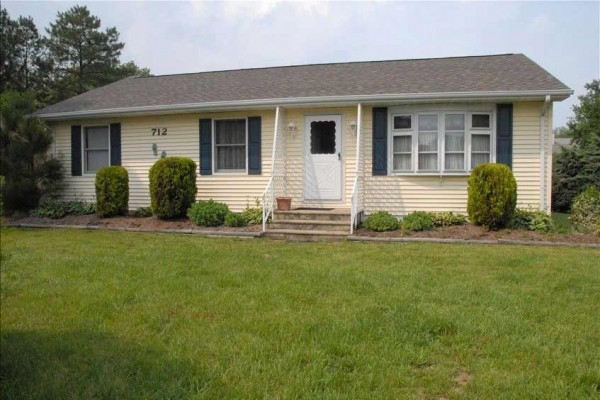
{"x": 191, "y": 36}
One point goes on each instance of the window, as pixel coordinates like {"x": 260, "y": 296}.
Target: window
{"x": 230, "y": 145}
{"x": 441, "y": 140}
{"x": 402, "y": 143}
{"x": 481, "y": 132}
{"x": 322, "y": 137}
{"x": 96, "y": 144}
{"x": 428, "y": 142}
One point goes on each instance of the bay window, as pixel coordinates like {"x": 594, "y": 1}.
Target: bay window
{"x": 440, "y": 140}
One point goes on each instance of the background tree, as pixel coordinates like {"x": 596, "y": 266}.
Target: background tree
{"x": 579, "y": 167}
{"x": 24, "y": 146}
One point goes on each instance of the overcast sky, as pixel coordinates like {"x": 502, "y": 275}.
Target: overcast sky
{"x": 176, "y": 37}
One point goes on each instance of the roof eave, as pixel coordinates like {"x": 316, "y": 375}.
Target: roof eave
{"x": 318, "y": 101}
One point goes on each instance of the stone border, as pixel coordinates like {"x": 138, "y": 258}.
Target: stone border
{"x": 239, "y": 235}
{"x": 470, "y": 241}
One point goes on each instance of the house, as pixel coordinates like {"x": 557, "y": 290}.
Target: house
{"x": 397, "y": 135}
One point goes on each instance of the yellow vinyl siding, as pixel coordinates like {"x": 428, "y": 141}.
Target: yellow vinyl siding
{"x": 182, "y": 139}
{"x": 403, "y": 194}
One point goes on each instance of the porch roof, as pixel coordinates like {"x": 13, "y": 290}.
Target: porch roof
{"x": 493, "y": 76}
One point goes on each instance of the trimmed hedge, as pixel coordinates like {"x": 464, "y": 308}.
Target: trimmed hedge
{"x": 172, "y": 186}
{"x": 585, "y": 212}
{"x": 381, "y": 221}
{"x": 208, "y": 213}
{"x": 112, "y": 191}
{"x": 492, "y": 191}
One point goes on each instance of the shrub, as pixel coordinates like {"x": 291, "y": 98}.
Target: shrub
{"x": 492, "y": 199}
{"x": 112, "y": 191}
{"x": 585, "y": 212}
{"x": 253, "y": 215}
{"x": 235, "y": 220}
{"x": 172, "y": 186}
{"x": 381, "y": 221}
{"x": 1, "y": 201}
{"x": 208, "y": 213}
{"x": 418, "y": 221}
{"x": 448, "y": 218}
{"x": 60, "y": 209}
{"x": 143, "y": 212}
{"x": 532, "y": 220}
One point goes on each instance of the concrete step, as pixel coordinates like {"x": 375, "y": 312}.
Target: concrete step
{"x": 313, "y": 215}
{"x": 311, "y": 225}
{"x": 305, "y": 235}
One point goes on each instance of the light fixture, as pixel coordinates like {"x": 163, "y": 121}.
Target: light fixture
{"x": 353, "y": 127}
{"x": 292, "y": 128}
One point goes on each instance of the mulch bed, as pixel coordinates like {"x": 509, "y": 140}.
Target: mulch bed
{"x": 147, "y": 223}
{"x": 472, "y": 232}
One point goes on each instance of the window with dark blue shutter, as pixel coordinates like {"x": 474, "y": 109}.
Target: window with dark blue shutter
{"x": 380, "y": 128}
{"x": 76, "y": 150}
{"x": 504, "y": 134}
{"x": 206, "y": 146}
{"x": 254, "y": 143}
{"x": 115, "y": 144}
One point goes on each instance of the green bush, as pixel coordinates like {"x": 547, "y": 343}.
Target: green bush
{"x": 448, "y": 218}
{"x": 112, "y": 191}
{"x": 532, "y": 220}
{"x": 253, "y": 215}
{"x": 1, "y": 201}
{"x": 143, "y": 212}
{"x": 235, "y": 220}
{"x": 381, "y": 221}
{"x": 208, "y": 213}
{"x": 60, "y": 209}
{"x": 492, "y": 195}
{"x": 418, "y": 221}
{"x": 585, "y": 212}
{"x": 172, "y": 186}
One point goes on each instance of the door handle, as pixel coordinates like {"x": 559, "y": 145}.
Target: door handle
{"x": 339, "y": 156}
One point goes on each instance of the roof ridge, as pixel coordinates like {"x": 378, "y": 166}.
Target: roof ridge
{"x": 332, "y": 63}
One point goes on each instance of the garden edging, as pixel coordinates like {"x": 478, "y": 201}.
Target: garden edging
{"x": 471, "y": 241}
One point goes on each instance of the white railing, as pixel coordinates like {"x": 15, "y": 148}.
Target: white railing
{"x": 356, "y": 205}
{"x": 277, "y": 182}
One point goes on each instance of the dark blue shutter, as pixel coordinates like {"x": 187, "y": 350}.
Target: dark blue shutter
{"x": 504, "y": 134}
{"x": 75, "y": 150}
{"x": 380, "y": 127}
{"x": 206, "y": 146}
{"x": 115, "y": 144}
{"x": 254, "y": 139}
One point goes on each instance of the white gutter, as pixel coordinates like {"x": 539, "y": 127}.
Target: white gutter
{"x": 316, "y": 101}
{"x": 543, "y": 151}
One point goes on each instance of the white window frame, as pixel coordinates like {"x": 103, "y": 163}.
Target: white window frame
{"x": 441, "y": 109}
{"x": 403, "y": 132}
{"x": 416, "y": 145}
{"x": 443, "y": 142}
{"x": 84, "y": 149}
{"x": 214, "y": 147}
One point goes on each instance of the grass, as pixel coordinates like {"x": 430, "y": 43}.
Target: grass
{"x": 562, "y": 222}
{"x": 135, "y": 316}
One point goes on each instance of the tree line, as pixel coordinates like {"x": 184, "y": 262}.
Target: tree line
{"x": 73, "y": 56}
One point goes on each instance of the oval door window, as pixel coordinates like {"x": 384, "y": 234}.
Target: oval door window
{"x": 322, "y": 137}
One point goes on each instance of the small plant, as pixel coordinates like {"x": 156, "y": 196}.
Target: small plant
{"x": 381, "y": 221}
{"x": 172, "y": 186}
{"x": 585, "y": 212}
{"x": 1, "y": 201}
{"x": 235, "y": 220}
{"x": 60, "y": 209}
{"x": 143, "y": 212}
{"x": 532, "y": 220}
{"x": 418, "y": 221}
{"x": 112, "y": 191}
{"x": 253, "y": 215}
{"x": 208, "y": 213}
{"x": 492, "y": 195}
{"x": 448, "y": 218}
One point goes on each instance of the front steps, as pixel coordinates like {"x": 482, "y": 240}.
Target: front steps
{"x": 310, "y": 225}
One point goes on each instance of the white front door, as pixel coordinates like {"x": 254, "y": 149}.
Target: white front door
{"x": 323, "y": 157}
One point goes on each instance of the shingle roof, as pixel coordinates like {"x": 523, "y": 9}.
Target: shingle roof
{"x": 494, "y": 73}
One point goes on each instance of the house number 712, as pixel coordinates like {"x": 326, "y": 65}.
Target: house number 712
{"x": 159, "y": 131}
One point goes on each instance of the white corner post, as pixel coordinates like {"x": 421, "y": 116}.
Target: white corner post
{"x": 543, "y": 154}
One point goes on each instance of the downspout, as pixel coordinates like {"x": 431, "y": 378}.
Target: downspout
{"x": 543, "y": 151}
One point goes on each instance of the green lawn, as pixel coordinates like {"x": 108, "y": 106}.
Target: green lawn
{"x": 124, "y": 315}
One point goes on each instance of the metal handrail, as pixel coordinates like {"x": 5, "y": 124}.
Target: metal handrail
{"x": 356, "y": 187}
{"x": 268, "y": 201}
